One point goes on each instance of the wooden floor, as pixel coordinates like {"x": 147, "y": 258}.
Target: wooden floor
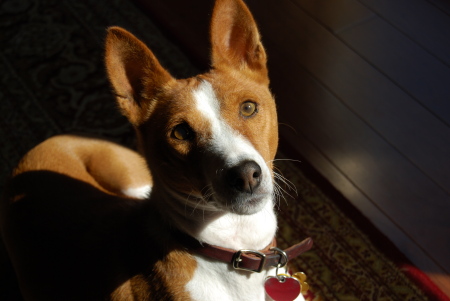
{"x": 364, "y": 89}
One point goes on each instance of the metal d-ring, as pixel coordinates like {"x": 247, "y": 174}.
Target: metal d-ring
{"x": 282, "y": 262}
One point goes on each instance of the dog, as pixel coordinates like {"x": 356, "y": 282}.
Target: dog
{"x": 189, "y": 217}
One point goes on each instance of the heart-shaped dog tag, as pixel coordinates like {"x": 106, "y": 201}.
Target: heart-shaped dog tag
{"x": 282, "y": 288}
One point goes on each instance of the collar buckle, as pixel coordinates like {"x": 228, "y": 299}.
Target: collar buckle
{"x": 237, "y": 260}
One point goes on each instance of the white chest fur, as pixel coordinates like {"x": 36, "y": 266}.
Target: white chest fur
{"x": 237, "y": 232}
{"x": 214, "y": 280}
{"x": 220, "y": 282}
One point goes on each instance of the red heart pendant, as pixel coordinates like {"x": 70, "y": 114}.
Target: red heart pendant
{"x": 281, "y": 288}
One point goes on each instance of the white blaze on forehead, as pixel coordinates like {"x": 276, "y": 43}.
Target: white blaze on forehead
{"x": 226, "y": 142}
{"x": 208, "y": 104}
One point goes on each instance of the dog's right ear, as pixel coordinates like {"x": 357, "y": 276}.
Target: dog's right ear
{"x": 235, "y": 38}
{"x": 135, "y": 74}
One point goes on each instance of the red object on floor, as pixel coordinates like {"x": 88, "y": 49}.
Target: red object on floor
{"x": 422, "y": 281}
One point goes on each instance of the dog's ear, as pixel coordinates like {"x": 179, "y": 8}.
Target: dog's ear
{"x": 235, "y": 38}
{"x": 134, "y": 73}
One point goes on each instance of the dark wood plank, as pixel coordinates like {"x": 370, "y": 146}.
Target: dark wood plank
{"x": 418, "y": 19}
{"x": 401, "y": 59}
{"x": 415, "y": 69}
{"x": 336, "y": 15}
{"x": 444, "y": 5}
{"x": 405, "y": 62}
{"x": 370, "y": 163}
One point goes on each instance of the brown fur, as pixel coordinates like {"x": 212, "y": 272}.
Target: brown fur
{"x": 85, "y": 159}
{"x": 71, "y": 234}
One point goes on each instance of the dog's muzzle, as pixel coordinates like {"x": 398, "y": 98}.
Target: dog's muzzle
{"x": 240, "y": 188}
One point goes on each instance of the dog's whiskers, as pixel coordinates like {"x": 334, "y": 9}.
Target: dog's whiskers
{"x": 290, "y": 186}
{"x": 283, "y": 159}
{"x": 208, "y": 193}
{"x": 279, "y": 195}
{"x": 279, "y": 191}
{"x": 197, "y": 201}
{"x": 185, "y": 204}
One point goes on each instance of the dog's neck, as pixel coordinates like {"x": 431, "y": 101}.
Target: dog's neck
{"x": 224, "y": 229}
{"x": 236, "y": 232}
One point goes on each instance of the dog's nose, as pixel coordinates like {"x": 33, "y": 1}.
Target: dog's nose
{"x": 244, "y": 177}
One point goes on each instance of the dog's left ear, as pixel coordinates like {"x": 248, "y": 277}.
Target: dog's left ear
{"x": 235, "y": 38}
{"x": 135, "y": 74}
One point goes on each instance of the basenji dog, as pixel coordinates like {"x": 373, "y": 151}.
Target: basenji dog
{"x": 189, "y": 218}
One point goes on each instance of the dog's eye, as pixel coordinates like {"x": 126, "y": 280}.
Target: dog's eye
{"x": 183, "y": 132}
{"x": 248, "y": 108}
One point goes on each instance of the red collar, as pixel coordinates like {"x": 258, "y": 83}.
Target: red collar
{"x": 251, "y": 260}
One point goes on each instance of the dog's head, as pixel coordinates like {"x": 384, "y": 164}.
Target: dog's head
{"x": 209, "y": 140}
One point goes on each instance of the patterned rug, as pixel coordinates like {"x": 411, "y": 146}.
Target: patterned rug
{"x": 52, "y": 81}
